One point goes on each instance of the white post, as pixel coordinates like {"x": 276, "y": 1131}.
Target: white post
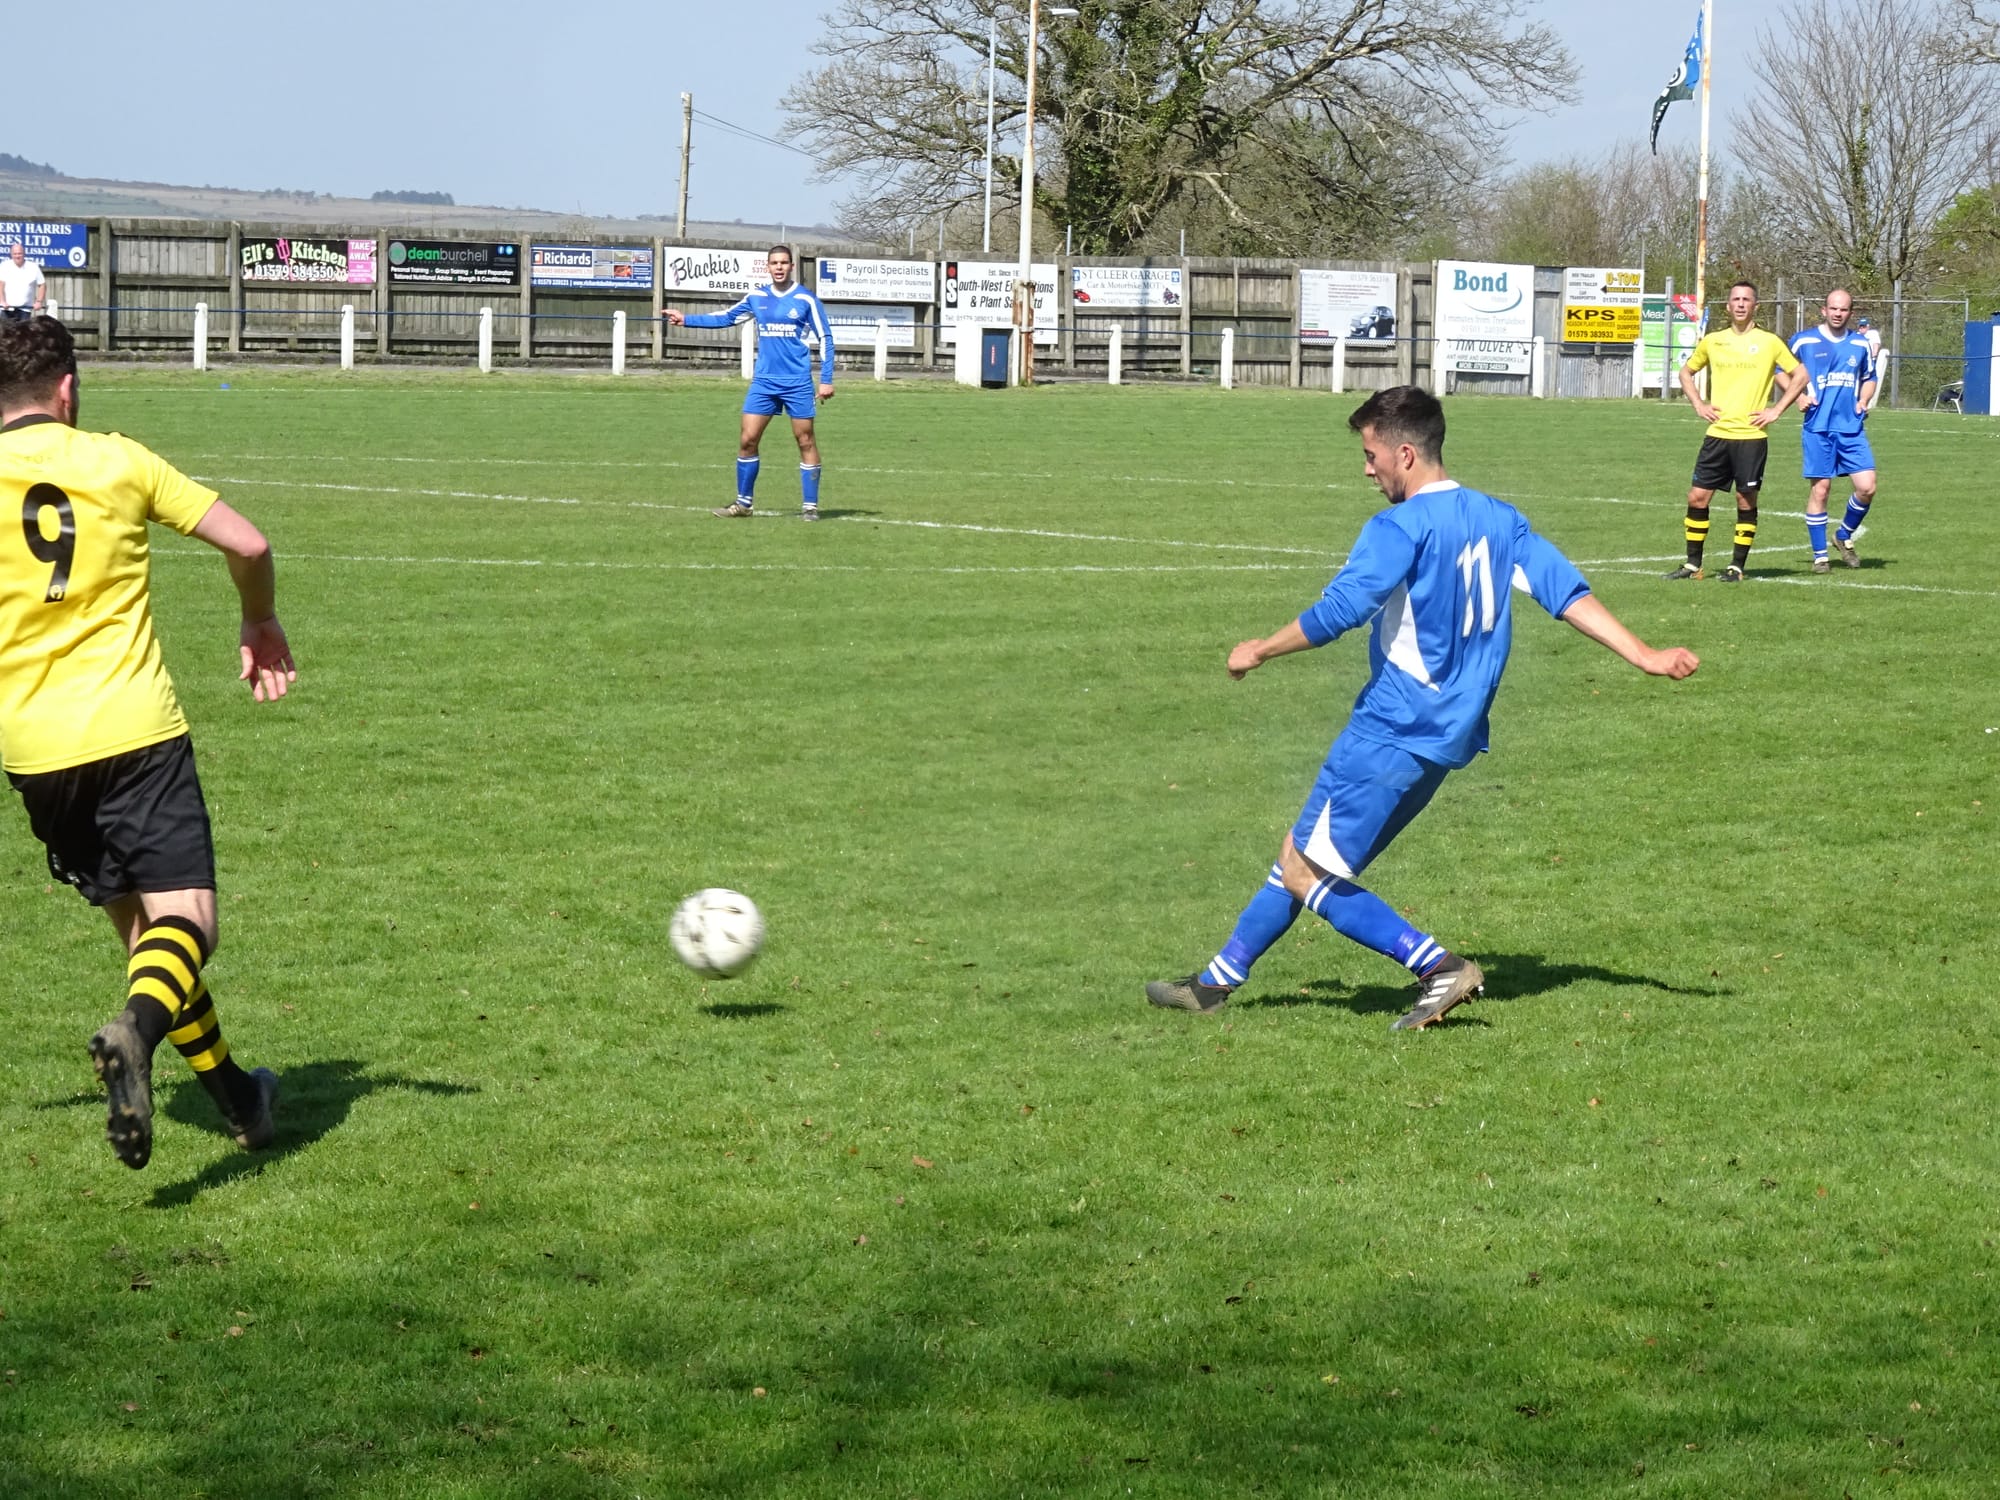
{"x": 52, "y": 310}
{"x": 1340, "y": 364}
{"x": 881, "y": 348}
{"x": 749, "y": 348}
{"x": 618, "y": 342}
{"x": 485, "y": 340}
{"x": 1538, "y": 368}
{"x": 201, "y": 335}
{"x": 1638, "y": 367}
{"x": 1229, "y": 359}
{"x": 1117, "y": 354}
{"x": 347, "y": 335}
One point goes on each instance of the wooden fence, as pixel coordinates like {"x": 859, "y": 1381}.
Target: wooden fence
{"x": 137, "y": 293}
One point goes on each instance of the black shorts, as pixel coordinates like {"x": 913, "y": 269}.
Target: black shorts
{"x": 1731, "y": 463}
{"x": 128, "y": 823}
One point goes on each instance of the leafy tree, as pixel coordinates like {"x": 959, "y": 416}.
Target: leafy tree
{"x": 1290, "y": 126}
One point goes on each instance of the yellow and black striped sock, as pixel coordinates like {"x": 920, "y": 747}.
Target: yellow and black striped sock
{"x": 1696, "y": 532}
{"x": 1746, "y": 535}
{"x": 167, "y": 997}
{"x": 162, "y": 974}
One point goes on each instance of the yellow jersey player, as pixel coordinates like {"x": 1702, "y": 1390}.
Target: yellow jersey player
{"x": 90, "y": 733}
{"x": 1741, "y": 360}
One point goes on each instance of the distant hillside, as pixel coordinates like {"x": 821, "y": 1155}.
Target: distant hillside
{"x": 30, "y": 190}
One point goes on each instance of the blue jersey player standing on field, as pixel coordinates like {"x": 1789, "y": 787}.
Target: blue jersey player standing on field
{"x": 1434, "y": 574}
{"x": 786, "y": 313}
{"x": 1841, "y": 380}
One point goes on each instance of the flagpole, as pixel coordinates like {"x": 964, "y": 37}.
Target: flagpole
{"x": 1701, "y": 190}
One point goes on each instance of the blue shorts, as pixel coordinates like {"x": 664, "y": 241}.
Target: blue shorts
{"x": 795, "y": 401}
{"x": 1828, "y": 454}
{"x": 1365, "y": 795}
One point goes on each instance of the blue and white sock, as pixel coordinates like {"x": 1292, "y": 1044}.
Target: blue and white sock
{"x": 1358, "y": 913}
{"x": 746, "y": 480}
{"x": 1857, "y": 512}
{"x": 1816, "y": 534}
{"x": 809, "y": 483}
{"x": 1266, "y": 919}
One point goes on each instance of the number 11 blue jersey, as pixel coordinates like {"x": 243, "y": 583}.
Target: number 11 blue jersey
{"x": 1436, "y": 575}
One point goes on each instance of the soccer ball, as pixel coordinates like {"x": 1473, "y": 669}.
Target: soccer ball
{"x": 717, "y": 933}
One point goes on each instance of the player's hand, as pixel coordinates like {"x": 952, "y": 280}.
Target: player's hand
{"x": 826, "y": 391}
{"x": 1706, "y": 412}
{"x": 677, "y": 319}
{"x": 1245, "y": 658}
{"x": 1765, "y": 417}
{"x": 267, "y": 660}
{"x": 1675, "y": 662}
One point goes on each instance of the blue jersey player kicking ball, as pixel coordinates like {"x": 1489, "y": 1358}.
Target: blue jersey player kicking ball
{"x": 785, "y": 314}
{"x": 1434, "y": 574}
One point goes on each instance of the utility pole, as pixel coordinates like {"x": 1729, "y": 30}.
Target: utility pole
{"x": 687, "y": 146}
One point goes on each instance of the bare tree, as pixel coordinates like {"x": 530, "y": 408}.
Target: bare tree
{"x": 1252, "y": 111}
{"x": 1870, "y": 117}
{"x": 1980, "y": 39}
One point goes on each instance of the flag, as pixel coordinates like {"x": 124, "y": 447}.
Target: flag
{"x": 1686, "y": 79}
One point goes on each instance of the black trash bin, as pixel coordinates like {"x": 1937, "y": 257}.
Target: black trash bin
{"x": 993, "y": 350}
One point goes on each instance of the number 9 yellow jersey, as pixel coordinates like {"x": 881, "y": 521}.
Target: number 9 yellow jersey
{"x": 80, "y": 671}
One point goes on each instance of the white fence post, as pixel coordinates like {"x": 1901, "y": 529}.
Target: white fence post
{"x": 1117, "y": 354}
{"x": 1228, "y": 359}
{"x": 618, "y": 343}
{"x": 485, "y": 340}
{"x": 52, "y": 310}
{"x": 1437, "y": 367}
{"x": 881, "y": 348}
{"x": 1340, "y": 364}
{"x": 201, "y": 335}
{"x": 1538, "y": 368}
{"x": 347, "y": 335}
{"x": 1638, "y": 367}
{"x": 749, "y": 348}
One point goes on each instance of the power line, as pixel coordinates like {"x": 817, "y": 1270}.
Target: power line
{"x": 747, "y": 134}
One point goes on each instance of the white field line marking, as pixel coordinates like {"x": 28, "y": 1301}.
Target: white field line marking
{"x": 1329, "y": 487}
{"x": 181, "y": 552}
{"x": 1065, "y": 536}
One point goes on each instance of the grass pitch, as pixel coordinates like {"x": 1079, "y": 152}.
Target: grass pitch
{"x": 930, "y": 1203}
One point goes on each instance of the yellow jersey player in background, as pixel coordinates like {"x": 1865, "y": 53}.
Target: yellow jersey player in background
{"x": 90, "y": 732}
{"x": 1741, "y": 360}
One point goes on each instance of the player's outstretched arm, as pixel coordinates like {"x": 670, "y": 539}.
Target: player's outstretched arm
{"x": 1250, "y": 655}
{"x": 1602, "y": 626}
{"x": 267, "y": 656}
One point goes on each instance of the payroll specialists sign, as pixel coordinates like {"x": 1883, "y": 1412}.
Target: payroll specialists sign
{"x": 876, "y": 280}
{"x": 454, "y": 263}
{"x": 1485, "y": 321}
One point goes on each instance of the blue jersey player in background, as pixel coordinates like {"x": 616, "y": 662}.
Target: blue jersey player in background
{"x": 1434, "y": 574}
{"x": 1841, "y": 380}
{"x": 786, "y": 314}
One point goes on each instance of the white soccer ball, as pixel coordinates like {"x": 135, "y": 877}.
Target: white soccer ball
{"x": 717, "y": 933}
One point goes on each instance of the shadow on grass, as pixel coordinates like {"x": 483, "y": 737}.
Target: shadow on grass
{"x": 1509, "y": 976}
{"x": 726, "y": 1010}
{"x": 313, "y": 1099}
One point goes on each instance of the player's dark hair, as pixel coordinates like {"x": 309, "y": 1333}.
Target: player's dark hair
{"x": 1751, "y": 284}
{"x": 1404, "y": 414}
{"x": 776, "y": 248}
{"x": 34, "y": 356}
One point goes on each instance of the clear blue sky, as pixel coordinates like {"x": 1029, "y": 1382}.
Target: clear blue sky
{"x": 578, "y": 110}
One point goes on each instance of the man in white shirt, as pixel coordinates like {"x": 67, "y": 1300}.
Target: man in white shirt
{"x": 23, "y": 291}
